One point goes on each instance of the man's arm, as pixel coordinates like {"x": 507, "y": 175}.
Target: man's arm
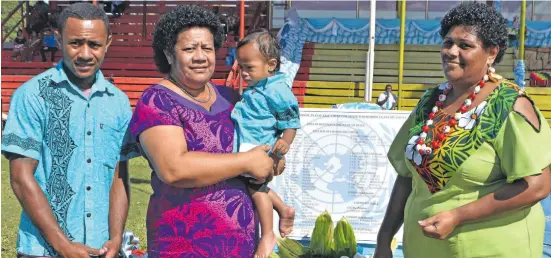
{"x": 395, "y": 102}
{"x": 119, "y": 198}
{"x": 382, "y": 99}
{"x": 36, "y": 206}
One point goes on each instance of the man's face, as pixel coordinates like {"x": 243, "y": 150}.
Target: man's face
{"x": 388, "y": 88}
{"x": 84, "y": 44}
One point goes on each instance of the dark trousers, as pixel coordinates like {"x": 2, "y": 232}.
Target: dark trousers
{"x": 53, "y": 51}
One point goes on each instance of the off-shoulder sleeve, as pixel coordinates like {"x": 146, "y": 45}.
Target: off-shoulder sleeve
{"x": 522, "y": 149}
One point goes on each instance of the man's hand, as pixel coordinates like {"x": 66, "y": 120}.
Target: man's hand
{"x": 281, "y": 147}
{"x": 78, "y": 250}
{"x": 111, "y": 248}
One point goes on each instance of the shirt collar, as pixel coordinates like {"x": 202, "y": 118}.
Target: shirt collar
{"x": 277, "y": 77}
{"x": 99, "y": 85}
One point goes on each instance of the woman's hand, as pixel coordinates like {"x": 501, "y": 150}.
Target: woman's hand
{"x": 441, "y": 225}
{"x": 260, "y": 165}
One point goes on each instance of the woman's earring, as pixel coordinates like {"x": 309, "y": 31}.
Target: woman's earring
{"x": 492, "y": 74}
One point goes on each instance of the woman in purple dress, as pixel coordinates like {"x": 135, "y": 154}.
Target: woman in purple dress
{"x": 199, "y": 206}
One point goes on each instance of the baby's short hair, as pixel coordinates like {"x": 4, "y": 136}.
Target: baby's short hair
{"x": 266, "y": 42}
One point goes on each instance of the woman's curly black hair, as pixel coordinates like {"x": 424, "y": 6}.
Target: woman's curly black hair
{"x": 489, "y": 25}
{"x": 177, "y": 20}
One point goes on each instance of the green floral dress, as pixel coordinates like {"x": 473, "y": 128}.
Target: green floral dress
{"x": 491, "y": 145}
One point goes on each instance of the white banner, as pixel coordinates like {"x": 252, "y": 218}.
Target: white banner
{"x": 338, "y": 163}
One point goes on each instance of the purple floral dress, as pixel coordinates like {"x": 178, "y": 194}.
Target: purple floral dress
{"x": 213, "y": 221}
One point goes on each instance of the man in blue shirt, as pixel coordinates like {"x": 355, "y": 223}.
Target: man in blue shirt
{"x": 546, "y": 204}
{"x": 50, "y": 45}
{"x": 66, "y": 141}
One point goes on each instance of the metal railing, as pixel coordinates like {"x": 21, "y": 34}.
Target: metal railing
{"x": 19, "y": 6}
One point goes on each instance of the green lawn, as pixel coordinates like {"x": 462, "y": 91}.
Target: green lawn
{"x": 141, "y": 189}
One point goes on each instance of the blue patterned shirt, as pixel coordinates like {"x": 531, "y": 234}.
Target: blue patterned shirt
{"x": 265, "y": 110}
{"x": 77, "y": 141}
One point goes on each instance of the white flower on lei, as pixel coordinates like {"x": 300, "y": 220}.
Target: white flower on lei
{"x": 411, "y": 152}
{"x": 468, "y": 119}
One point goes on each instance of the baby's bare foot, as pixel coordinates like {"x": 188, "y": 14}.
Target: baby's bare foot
{"x": 266, "y": 245}
{"x": 286, "y": 221}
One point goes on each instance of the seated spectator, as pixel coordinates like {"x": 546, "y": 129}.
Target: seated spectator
{"x": 35, "y": 44}
{"x": 19, "y": 46}
{"x": 387, "y": 100}
{"x": 50, "y": 45}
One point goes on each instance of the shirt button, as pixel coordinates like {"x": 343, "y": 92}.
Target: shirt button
{"x": 89, "y": 215}
{"x": 88, "y": 133}
{"x": 89, "y": 160}
{"x": 88, "y": 188}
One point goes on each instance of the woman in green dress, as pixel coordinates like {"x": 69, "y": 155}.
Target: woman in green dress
{"x": 472, "y": 159}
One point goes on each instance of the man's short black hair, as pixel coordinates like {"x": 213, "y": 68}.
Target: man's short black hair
{"x": 488, "y": 25}
{"x": 266, "y": 43}
{"x": 83, "y": 11}
{"x": 178, "y": 20}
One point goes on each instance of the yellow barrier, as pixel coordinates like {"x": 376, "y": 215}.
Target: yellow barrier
{"x": 324, "y": 94}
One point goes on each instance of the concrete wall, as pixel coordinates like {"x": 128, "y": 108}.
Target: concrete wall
{"x": 538, "y": 59}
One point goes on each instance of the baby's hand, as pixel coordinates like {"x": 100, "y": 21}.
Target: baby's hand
{"x": 281, "y": 147}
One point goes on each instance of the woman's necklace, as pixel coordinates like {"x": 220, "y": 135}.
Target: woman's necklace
{"x": 170, "y": 79}
{"x": 425, "y": 145}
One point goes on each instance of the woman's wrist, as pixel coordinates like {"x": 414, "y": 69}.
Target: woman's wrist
{"x": 460, "y": 215}
{"x": 243, "y": 160}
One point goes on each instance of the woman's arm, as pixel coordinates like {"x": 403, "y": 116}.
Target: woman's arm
{"x": 394, "y": 216}
{"x": 166, "y": 148}
{"x": 517, "y": 195}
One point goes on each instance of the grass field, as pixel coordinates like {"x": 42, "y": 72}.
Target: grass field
{"x": 141, "y": 190}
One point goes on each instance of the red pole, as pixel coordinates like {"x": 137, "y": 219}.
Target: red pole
{"x": 241, "y": 36}
{"x": 242, "y": 20}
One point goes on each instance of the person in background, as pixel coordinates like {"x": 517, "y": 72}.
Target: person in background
{"x": 54, "y": 16}
{"x": 43, "y": 9}
{"x": 50, "y": 45}
{"x": 35, "y": 44}
{"x": 19, "y": 46}
{"x": 67, "y": 146}
{"x": 387, "y": 100}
